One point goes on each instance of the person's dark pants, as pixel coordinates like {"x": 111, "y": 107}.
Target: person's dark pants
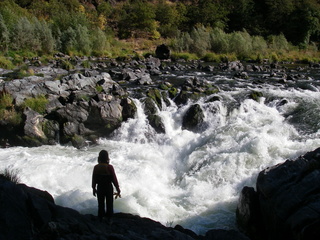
{"x": 105, "y": 199}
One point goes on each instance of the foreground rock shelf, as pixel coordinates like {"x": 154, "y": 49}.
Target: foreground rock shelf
{"x": 29, "y": 213}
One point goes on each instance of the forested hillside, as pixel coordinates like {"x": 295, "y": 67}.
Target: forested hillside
{"x": 93, "y": 27}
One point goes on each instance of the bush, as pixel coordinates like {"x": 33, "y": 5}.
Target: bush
{"x": 184, "y": 56}
{"x": 6, "y": 101}
{"x": 219, "y": 41}
{"x": 10, "y": 175}
{"x": 4, "y": 35}
{"x": 6, "y": 63}
{"x": 37, "y": 104}
{"x": 23, "y": 36}
{"x": 7, "y": 111}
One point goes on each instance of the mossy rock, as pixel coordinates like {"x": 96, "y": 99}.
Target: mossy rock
{"x": 149, "y": 106}
{"x": 78, "y": 141}
{"x": 155, "y": 94}
{"x": 156, "y": 122}
{"x": 256, "y": 95}
{"x": 173, "y": 92}
{"x": 34, "y": 141}
{"x": 193, "y": 118}
{"x": 129, "y": 109}
{"x": 184, "y": 96}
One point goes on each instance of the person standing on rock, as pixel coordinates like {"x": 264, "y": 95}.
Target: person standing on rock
{"x": 103, "y": 177}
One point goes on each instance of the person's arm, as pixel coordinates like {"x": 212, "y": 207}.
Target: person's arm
{"x": 94, "y": 182}
{"x": 114, "y": 178}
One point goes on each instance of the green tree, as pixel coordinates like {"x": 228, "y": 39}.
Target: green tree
{"x": 99, "y": 42}
{"x": 68, "y": 41}
{"x": 83, "y": 43}
{"x": 168, "y": 17}
{"x": 303, "y": 23}
{"x": 4, "y": 35}
{"x": 212, "y": 13}
{"x": 23, "y": 36}
{"x": 44, "y": 35}
{"x": 219, "y": 41}
{"x": 137, "y": 20}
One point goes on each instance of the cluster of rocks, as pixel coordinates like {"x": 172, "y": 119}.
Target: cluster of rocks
{"x": 84, "y": 104}
{"x": 29, "y": 213}
{"x": 286, "y": 202}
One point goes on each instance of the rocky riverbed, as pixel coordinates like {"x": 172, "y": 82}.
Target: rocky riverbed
{"x": 77, "y": 107}
{"x": 56, "y": 106}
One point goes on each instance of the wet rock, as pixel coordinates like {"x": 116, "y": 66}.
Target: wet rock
{"x": 193, "y": 118}
{"x": 152, "y": 115}
{"x": 241, "y": 75}
{"x": 248, "y": 213}
{"x": 129, "y": 109}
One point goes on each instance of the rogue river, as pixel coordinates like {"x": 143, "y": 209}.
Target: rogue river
{"x": 181, "y": 177}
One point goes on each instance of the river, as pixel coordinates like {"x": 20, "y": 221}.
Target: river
{"x": 182, "y": 177}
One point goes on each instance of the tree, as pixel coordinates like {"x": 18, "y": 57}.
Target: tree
{"x": 209, "y": 13}
{"x": 168, "y": 18}
{"x": 303, "y": 23}
{"x": 44, "y": 34}
{"x": 138, "y": 19}
{"x": 23, "y": 36}
{"x": 4, "y": 35}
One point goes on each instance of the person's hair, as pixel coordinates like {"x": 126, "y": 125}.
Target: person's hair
{"x": 103, "y": 157}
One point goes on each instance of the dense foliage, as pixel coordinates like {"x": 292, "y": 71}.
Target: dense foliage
{"x": 87, "y": 27}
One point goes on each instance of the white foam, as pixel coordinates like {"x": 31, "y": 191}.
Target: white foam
{"x": 179, "y": 177}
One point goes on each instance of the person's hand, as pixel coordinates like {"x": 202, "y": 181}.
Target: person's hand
{"x": 117, "y": 195}
{"x": 94, "y": 191}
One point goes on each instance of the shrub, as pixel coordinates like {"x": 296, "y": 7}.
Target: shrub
{"x": 211, "y": 57}
{"x": 99, "y": 88}
{"x": 23, "y": 36}
{"x": 240, "y": 43}
{"x": 10, "y": 175}
{"x": 5, "y": 101}
{"x": 37, "y": 104}
{"x": 6, "y": 63}
{"x": 184, "y": 55}
{"x": 219, "y": 41}
{"x": 278, "y": 42}
{"x": 4, "y": 35}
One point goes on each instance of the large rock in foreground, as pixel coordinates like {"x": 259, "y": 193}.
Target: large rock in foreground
{"x": 286, "y": 204}
{"x": 28, "y": 213}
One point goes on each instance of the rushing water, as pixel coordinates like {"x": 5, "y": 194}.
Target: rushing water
{"x": 182, "y": 177}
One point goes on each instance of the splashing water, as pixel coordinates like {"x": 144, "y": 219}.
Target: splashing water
{"x": 181, "y": 177}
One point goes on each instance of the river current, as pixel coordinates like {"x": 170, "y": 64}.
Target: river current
{"x": 182, "y": 177}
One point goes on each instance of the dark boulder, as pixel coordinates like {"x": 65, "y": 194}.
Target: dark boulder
{"x": 221, "y": 234}
{"x": 249, "y": 214}
{"x": 288, "y": 201}
{"x": 163, "y": 52}
{"x": 193, "y": 118}
{"x": 154, "y": 119}
{"x": 129, "y": 109}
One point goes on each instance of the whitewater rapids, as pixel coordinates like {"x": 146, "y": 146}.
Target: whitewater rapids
{"x": 182, "y": 177}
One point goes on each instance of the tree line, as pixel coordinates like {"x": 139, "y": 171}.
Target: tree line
{"x": 92, "y": 26}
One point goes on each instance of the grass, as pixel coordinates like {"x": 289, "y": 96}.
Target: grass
{"x": 37, "y": 104}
